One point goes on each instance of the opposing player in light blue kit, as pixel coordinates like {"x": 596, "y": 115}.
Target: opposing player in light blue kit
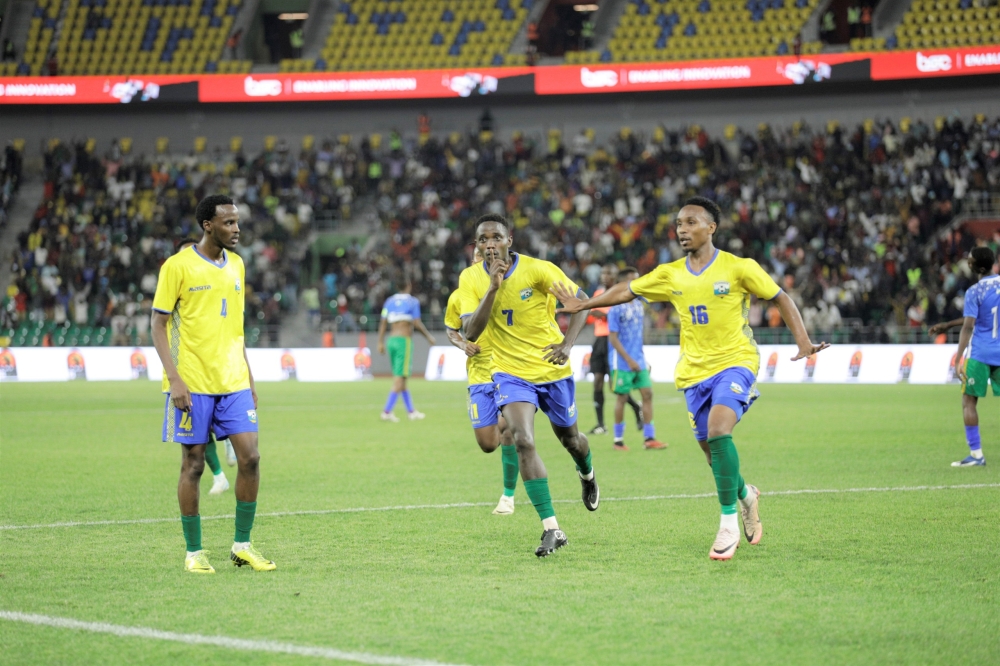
{"x": 981, "y": 335}
{"x": 628, "y": 366}
{"x": 402, "y": 313}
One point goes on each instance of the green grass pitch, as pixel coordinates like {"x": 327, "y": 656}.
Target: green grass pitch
{"x": 891, "y": 577}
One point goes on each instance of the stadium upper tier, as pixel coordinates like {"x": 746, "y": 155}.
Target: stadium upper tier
{"x": 693, "y": 29}
{"x": 127, "y": 37}
{"x": 414, "y": 34}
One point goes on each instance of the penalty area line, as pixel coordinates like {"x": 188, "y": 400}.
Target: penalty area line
{"x": 468, "y": 505}
{"x": 275, "y": 647}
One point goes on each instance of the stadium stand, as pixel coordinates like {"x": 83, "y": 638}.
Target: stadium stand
{"x": 848, "y": 220}
{"x": 412, "y": 34}
{"x": 11, "y": 166}
{"x": 939, "y": 24}
{"x": 86, "y": 268}
{"x": 128, "y": 37}
{"x": 652, "y": 30}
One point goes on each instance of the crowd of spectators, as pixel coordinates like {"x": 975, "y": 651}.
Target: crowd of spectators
{"x": 853, "y": 222}
{"x": 11, "y": 165}
{"x": 847, "y": 219}
{"x": 92, "y": 252}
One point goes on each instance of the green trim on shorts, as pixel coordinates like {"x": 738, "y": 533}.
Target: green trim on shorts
{"x": 400, "y": 348}
{"x": 623, "y": 381}
{"x": 978, "y": 375}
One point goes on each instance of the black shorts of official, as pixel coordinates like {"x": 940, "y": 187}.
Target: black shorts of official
{"x": 599, "y": 356}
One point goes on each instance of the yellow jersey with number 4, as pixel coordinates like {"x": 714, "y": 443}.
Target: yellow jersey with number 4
{"x": 523, "y": 320}
{"x": 714, "y": 308}
{"x": 476, "y": 367}
{"x": 205, "y": 330}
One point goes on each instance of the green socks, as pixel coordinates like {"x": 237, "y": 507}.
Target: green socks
{"x": 508, "y": 455}
{"x": 192, "y": 532}
{"x": 583, "y": 465}
{"x": 212, "y": 457}
{"x": 538, "y": 493}
{"x": 742, "y": 492}
{"x": 726, "y": 468}
{"x": 245, "y": 512}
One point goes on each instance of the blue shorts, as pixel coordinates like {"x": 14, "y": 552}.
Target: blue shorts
{"x": 735, "y": 388}
{"x": 224, "y": 415}
{"x": 483, "y": 405}
{"x": 556, "y": 399}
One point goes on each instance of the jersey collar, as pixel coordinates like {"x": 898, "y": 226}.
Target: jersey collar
{"x": 225, "y": 257}
{"x": 510, "y": 270}
{"x": 687, "y": 264}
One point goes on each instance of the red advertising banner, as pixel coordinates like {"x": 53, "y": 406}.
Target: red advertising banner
{"x": 556, "y": 80}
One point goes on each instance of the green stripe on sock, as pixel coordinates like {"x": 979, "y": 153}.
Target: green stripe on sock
{"x": 192, "y": 532}
{"x": 245, "y": 511}
{"x": 538, "y": 493}
{"x": 726, "y": 468}
{"x": 508, "y": 456}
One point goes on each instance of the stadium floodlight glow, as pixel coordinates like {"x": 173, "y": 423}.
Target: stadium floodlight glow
{"x": 293, "y": 16}
{"x": 585, "y": 8}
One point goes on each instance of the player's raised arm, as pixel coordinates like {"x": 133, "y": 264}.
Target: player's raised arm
{"x": 475, "y": 324}
{"x": 793, "y": 319}
{"x": 572, "y": 303}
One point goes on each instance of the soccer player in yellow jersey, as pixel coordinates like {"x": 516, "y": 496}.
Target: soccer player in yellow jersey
{"x": 719, "y": 361}
{"x": 197, "y": 326}
{"x": 488, "y": 425}
{"x": 507, "y": 297}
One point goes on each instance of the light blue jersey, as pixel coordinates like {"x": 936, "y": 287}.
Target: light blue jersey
{"x": 982, "y": 301}
{"x": 401, "y": 307}
{"x": 627, "y": 321}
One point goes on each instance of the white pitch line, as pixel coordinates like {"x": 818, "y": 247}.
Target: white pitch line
{"x": 217, "y": 641}
{"x": 467, "y": 505}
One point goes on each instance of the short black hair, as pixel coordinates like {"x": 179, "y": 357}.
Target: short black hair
{"x": 982, "y": 260}
{"x": 179, "y": 244}
{"x": 628, "y": 269}
{"x": 493, "y": 217}
{"x": 206, "y": 207}
{"x": 709, "y": 205}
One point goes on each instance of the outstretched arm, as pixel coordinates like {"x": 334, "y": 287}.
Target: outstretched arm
{"x": 793, "y": 319}
{"x": 945, "y": 326}
{"x": 572, "y": 303}
{"x": 964, "y": 338}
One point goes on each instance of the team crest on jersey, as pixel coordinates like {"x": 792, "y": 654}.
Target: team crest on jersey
{"x": 526, "y": 293}
{"x": 252, "y": 415}
{"x": 720, "y": 288}
{"x": 238, "y": 285}
{"x": 736, "y": 388}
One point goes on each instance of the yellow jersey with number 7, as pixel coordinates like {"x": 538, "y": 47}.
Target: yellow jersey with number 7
{"x": 523, "y": 320}
{"x": 714, "y": 308}
{"x": 476, "y": 367}
{"x": 205, "y": 330}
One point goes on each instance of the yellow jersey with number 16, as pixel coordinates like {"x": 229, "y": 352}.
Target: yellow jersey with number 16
{"x": 523, "y": 320}
{"x": 205, "y": 330}
{"x": 714, "y": 307}
{"x": 476, "y": 367}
